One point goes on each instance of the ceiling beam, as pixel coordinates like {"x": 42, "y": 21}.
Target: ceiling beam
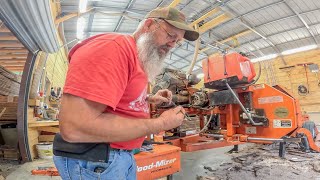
{"x": 90, "y": 22}
{"x": 8, "y": 38}
{"x": 64, "y": 17}
{"x": 243, "y": 22}
{"x": 122, "y": 17}
{"x": 212, "y": 23}
{"x": 280, "y": 32}
{"x": 302, "y": 20}
{"x": 236, "y": 36}
{"x": 15, "y": 44}
{"x": 204, "y": 49}
{"x": 210, "y": 13}
{"x": 174, "y": 3}
{"x": 250, "y": 12}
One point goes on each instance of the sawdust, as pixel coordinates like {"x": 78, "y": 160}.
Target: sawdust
{"x": 263, "y": 162}
{"x": 7, "y": 166}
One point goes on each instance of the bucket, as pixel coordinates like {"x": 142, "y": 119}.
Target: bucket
{"x": 45, "y": 150}
{"x": 10, "y": 135}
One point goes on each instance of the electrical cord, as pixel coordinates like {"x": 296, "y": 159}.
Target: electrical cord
{"x": 205, "y": 126}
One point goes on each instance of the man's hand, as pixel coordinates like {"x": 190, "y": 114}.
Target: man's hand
{"x": 172, "y": 118}
{"x": 162, "y": 96}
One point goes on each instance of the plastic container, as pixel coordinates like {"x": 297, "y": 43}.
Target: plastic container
{"x": 45, "y": 150}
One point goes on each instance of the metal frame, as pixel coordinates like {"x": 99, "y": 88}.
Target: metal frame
{"x": 209, "y": 11}
{"x": 22, "y": 120}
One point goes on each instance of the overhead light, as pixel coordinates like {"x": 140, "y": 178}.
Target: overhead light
{"x": 263, "y": 58}
{"x": 300, "y": 49}
{"x": 83, "y": 6}
{"x": 201, "y": 75}
{"x": 80, "y": 28}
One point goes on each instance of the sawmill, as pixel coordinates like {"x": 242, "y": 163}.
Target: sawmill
{"x": 159, "y": 90}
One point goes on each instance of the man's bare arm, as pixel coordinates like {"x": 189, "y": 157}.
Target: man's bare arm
{"x": 82, "y": 120}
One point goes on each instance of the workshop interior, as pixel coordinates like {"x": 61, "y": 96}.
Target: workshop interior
{"x": 249, "y": 82}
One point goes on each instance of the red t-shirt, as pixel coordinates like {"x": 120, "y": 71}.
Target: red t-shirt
{"x": 106, "y": 69}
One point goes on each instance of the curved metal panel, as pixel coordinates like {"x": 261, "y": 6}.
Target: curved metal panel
{"x": 33, "y": 23}
{"x": 22, "y": 121}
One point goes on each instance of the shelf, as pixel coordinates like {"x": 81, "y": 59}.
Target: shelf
{"x": 43, "y": 123}
{"x": 2, "y": 122}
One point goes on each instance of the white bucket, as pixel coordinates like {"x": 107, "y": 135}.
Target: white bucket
{"x": 45, "y": 150}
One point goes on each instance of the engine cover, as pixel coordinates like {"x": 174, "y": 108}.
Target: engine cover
{"x": 234, "y": 68}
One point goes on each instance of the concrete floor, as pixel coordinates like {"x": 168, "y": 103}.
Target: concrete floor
{"x": 24, "y": 171}
{"x": 192, "y": 164}
{"x": 251, "y": 163}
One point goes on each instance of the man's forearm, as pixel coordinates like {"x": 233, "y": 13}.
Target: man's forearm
{"x": 109, "y": 128}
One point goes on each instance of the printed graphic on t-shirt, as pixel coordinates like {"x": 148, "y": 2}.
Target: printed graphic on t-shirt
{"x": 140, "y": 104}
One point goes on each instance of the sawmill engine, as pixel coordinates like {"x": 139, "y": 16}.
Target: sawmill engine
{"x": 181, "y": 87}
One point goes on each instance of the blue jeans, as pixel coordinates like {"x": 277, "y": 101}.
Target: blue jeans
{"x": 121, "y": 166}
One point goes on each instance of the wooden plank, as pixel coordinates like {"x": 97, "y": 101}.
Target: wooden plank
{"x": 6, "y": 99}
{"x": 10, "y": 112}
{"x": 4, "y": 29}
{"x": 43, "y": 123}
{"x": 16, "y": 70}
{"x": 8, "y": 65}
{"x": 310, "y": 102}
{"x": 12, "y": 60}
{"x": 7, "y": 44}
{"x": 13, "y": 56}
{"x": 8, "y": 38}
{"x": 2, "y": 122}
{"x": 11, "y": 154}
{"x": 12, "y": 51}
{"x": 46, "y": 138}
{"x": 33, "y": 136}
{"x": 49, "y": 129}
{"x": 13, "y": 66}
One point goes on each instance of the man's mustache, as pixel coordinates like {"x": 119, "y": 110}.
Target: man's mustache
{"x": 165, "y": 47}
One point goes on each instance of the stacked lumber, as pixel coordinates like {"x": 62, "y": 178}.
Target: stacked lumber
{"x": 8, "y": 108}
{"x": 9, "y": 153}
{"x": 9, "y": 82}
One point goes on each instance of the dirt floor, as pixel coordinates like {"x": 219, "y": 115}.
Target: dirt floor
{"x": 263, "y": 162}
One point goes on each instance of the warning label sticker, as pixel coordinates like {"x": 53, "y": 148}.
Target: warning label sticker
{"x": 282, "y": 123}
{"x": 270, "y": 99}
{"x": 258, "y": 86}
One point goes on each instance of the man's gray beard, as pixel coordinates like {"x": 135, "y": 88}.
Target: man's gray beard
{"x": 150, "y": 58}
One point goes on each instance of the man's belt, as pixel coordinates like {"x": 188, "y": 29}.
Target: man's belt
{"x": 97, "y": 152}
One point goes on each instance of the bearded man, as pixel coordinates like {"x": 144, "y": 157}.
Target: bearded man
{"x": 105, "y": 97}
